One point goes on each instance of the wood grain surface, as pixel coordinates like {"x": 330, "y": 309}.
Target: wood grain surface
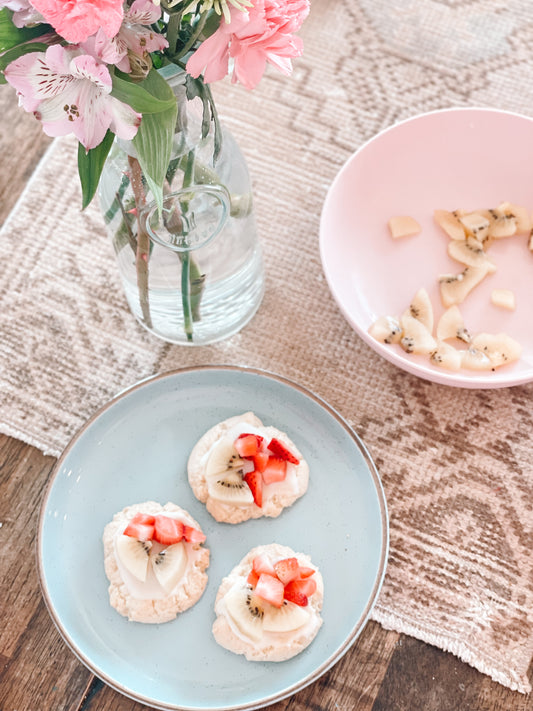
{"x": 383, "y": 671}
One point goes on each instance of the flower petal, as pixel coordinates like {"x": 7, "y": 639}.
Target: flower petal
{"x": 85, "y": 67}
{"x": 76, "y": 20}
{"x": 38, "y": 75}
{"x": 143, "y": 12}
{"x": 211, "y": 58}
{"x": 125, "y": 121}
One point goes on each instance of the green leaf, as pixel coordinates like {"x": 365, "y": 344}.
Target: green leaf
{"x": 90, "y": 166}
{"x": 17, "y": 52}
{"x": 11, "y": 36}
{"x": 153, "y": 141}
{"x": 139, "y": 98}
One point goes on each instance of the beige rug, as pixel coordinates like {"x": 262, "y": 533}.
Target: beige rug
{"x": 457, "y": 465}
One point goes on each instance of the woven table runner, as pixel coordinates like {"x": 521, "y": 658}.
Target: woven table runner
{"x": 456, "y": 464}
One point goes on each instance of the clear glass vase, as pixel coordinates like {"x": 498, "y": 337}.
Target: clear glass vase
{"x": 193, "y": 271}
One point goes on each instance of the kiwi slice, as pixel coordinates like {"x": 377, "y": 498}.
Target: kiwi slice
{"x": 386, "y": 329}
{"x": 134, "y": 555}
{"x": 451, "y": 325}
{"x": 230, "y": 488}
{"x": 446, "y": 356}
{"x": 246, "y": 611}
{"x": 169, "y": 565}
{"x": 415, "y": 336}
{"x": 454, "y": 288}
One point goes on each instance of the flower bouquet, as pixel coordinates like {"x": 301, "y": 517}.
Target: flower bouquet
{"x": 102, "y": 71}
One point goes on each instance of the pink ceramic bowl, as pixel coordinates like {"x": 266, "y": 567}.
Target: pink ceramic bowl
{"x": 457, "y": 158}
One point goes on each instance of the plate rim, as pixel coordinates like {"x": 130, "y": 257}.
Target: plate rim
{"x": 354, "y": 632}
{"x": 476, "y": 380}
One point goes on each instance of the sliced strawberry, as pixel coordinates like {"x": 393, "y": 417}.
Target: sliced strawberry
{"x": 297, "y": 597}
{"x": 247, "y": 445}
{"x": 287, "y": 569}
{"x": 296, "y": 588}
{"x": 281, "y": 451}
{"x": 148, "y": 519}
{"x": 255, "y": 482}
{"x": 260, "y": 461}
{"x": 168, "y": 530}
{"x": 193, "y": 535}
{"x": 261, "y": 564}
{"x": 141, "y": 531}
{"x": 306, "y": 586}
{"x": 270, "y": 589}
{"x": 275, "y": 470}
{"x": 306, "y": 572}
{"x": 252, "y": 578}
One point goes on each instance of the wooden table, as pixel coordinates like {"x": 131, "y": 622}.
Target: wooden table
{"x": 383, "y": 671}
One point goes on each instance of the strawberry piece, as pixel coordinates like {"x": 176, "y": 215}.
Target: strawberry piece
{"x": 297, "y": 597}
{"x": 141, "y": 531}
{"x": 193, "y": 535}
{"x": 270, "y": 589}
{"x": 252, "y": 578}
{"x": 281, "y": 451}
{"x": 248, "y": 445}
{"x": 287, "y": 569}
{"x": 261, "y": 564}
{"x": 260, "y": 461}
{"x": 148, "y": 519}
{"x": 255, "y": 482}
{"x": 306, "y": 572}
{"x": 298, "y": 589}
{"x": 168, "y": 530}
{"x": 306, "y": 586}
{"x": 275, "y": 470}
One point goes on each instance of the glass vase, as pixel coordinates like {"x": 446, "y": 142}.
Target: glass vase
{"x": 192, "y": 271}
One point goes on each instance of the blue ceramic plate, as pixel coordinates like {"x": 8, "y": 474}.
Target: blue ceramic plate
{"x": 136, "y": 449}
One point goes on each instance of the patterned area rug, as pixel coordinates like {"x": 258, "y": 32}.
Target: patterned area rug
{"x": 456, "y": 464}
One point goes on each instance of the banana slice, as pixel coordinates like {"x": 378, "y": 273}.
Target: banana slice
{"x": 286, "y": 618}
{"x": 134, "y": 555}
{"x": 246, "y": 611}
{"x": 421, "y": 309}
{"x": 169, "y": 566}
{"x": 386, "y": 329}
{"x": 451, "y": 325}
{"x": 230, "y": 488}
{"x": 224, "y": 457}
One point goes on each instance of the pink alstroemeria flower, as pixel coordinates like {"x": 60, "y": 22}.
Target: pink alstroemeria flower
{"x": 261, "y": 34}
{"x": 132, "y": 36}
{"x": 75, "y": 20}
{"x": 70, "y": 93}
{"x": 23, "y": 12}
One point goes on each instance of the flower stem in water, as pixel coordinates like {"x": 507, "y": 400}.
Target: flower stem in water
{"x": 143, "y": 242}
{"x": 185, "y": 288}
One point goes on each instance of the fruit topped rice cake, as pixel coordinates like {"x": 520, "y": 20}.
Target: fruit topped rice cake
{"x": 242, "y": 469}
{"x": 155, "y": 561}
{"x": 268, "y": 607}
